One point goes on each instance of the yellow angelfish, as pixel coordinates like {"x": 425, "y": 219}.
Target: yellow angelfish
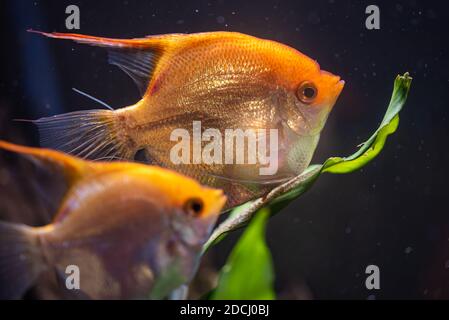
{"x": 127, "y": 227}
{"x": 207, "y": 81}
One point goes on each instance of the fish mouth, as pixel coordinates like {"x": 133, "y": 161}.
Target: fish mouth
{"x": 340, "y": 85}
{"x": 336, "y": 81}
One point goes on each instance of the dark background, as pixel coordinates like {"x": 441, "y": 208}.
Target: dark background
{"x": 393, "y": 213}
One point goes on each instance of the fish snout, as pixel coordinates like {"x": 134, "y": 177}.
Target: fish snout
{"x": 217, "y": 200}
{"x": 339, "y": 85}
{"x": 334, "y": 82}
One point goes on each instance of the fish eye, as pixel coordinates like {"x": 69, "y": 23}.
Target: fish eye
{"x": 307, "y": 92}
{"x": 194, "y": 207}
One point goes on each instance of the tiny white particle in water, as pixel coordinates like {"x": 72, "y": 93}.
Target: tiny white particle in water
{"x": 408, "y": 250}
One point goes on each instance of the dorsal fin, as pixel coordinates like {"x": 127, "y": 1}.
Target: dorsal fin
{"x": 136, "y": 57}
{"x": 138, "y": 64}
{"x": 73, "y": 168}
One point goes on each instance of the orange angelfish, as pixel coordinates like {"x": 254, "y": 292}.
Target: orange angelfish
{"x": 205, "y": 86}
{"x": 133, "y": 231}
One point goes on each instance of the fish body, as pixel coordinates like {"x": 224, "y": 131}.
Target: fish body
{"x": 222, "y": 80}
{"x": 133, "y": 231}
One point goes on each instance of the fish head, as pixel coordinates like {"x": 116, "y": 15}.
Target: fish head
{"x": 189, "y": 208}
{"x": 196, "y": 213}
{"x": 311, "y": 94}
{"x": 191, "y": 212}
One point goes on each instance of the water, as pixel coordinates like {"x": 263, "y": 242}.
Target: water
{"x": 393, "y": 213}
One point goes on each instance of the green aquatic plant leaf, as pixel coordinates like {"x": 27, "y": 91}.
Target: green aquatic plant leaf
{"x": 248, "y": 272}
{"x": 285, "y": 193}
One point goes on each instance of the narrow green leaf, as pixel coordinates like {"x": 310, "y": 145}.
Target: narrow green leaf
{"x": 248, "y": 273}
{"x": 346, "y": 165}
{"x": 371, "y": 148}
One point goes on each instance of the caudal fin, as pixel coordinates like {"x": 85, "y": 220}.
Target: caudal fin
{"x": 88, "y": 134}
{"x": 21, "y": 260}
